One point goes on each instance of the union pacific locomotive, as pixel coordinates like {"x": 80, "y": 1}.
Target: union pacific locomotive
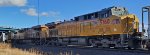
{"x": 110, "y": 27}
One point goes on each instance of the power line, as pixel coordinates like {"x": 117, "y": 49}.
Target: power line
{"x": 38, "y": 13}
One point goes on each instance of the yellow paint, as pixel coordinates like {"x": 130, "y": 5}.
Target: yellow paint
{"x": 44, "y": 31}
{"x": 86, "y": 28}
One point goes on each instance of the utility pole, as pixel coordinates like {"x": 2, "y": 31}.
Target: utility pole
{"x": 38, "y": 12}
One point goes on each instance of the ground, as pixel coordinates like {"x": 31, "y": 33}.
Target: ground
{"x": 54, "y": 50}
{"x": 6, "y": 49}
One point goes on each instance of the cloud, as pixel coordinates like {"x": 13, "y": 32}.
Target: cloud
{"x": 33, "y": 12}
{"x": 45, "y": 14}
{"x": 54, "y": 13}
{"x": 30, "y": 11}
{"x": 50, "y": 14}
{"x": 13, "y": 2}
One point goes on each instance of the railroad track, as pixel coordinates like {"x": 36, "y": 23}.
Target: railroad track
{"x": 99, "y": 48}
{"x": 107, "y": 49}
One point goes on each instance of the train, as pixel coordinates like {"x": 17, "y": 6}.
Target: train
{"x": 109, "y": 27}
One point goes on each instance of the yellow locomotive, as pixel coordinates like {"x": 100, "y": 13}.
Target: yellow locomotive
{"x": 110, "y": 27}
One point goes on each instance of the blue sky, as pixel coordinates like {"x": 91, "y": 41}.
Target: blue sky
{"x": 23, "y": 13}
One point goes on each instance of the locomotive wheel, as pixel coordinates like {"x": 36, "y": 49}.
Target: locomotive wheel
{"x": 148, "y": 48}
{"x": 111, "y": 45}
{"x": 92, "y": 43}
{"x": 148, "y": 45}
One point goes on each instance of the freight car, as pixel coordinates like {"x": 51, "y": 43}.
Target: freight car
{"x": 110, "y": 27}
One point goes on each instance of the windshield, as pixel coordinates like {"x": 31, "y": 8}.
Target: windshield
{"x": 119, "y": 11}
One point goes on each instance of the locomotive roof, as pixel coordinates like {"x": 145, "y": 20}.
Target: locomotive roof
{"x": 103, "y": 10}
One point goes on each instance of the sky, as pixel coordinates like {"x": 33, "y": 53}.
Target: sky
{"x": 24, "y": 13}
